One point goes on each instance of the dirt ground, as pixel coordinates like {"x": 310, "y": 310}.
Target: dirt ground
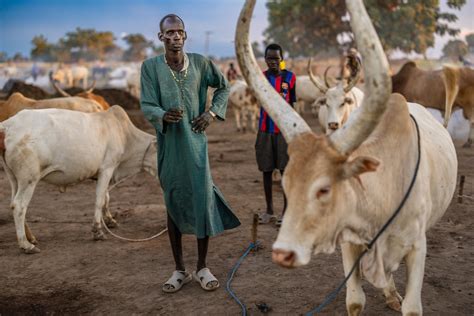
{"x": 75, "y": 275}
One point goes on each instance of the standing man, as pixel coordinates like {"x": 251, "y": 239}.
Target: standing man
{"x": 173, "y": 99}
{"x": 232, "y": 73}
{"x": 271, "y": 147}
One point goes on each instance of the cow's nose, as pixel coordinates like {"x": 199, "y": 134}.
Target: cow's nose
{"x": 284, "y": 258}
{"x": 333, "y": 125}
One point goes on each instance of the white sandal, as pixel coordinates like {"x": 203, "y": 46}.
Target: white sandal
{"x": 205, "y": 278}
{"x": 176, "y": 282}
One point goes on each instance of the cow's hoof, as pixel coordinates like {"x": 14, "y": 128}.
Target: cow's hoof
{"x": 110, "y": 222}
{"x": 31, "y": 251}
{"x": 354, "y": 309}
{"x": 99, "y": 235}
{"x": 34, "y": 241}
{"x": 394, "y": 304}
{"x": 467, "y": 145}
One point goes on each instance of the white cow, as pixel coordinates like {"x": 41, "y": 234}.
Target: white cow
{"x": 71, "y": 76}
{"x": 244, "y": 105}
{"x": 65, "y": 147}
{"x": 338, "y": 102}
{"x": 342, "y": 188}
{"x": 127, "y": 78}
{"x": 306, "y": 94}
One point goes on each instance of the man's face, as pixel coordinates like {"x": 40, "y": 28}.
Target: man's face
{"x": 273, "y": 59}
{"x": 173, "y": 35}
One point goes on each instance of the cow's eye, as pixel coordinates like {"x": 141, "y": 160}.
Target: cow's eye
{"x": 348, "y": 101}
{"x": 324, "y": 191}
{"x": 322, "y": 102}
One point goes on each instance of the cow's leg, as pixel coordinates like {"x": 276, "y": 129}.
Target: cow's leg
{"x": 237, "y": 119}
{"x": 355, "y": 297}
{"x": 101, "y": 193}
{"x": 29, "y": 235}
{"x": 253, "y": 120}
{"x": 471, "y": 135}
{"x": 243, "y": 117}
{"x": 392, "y": 297}
{"x": 20, "y": 205}
{"x": 415, "y": 261}
{"x": 108, "y": 218}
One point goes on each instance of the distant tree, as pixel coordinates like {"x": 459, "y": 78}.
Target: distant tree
{"x": 88, "y": 44}
{"x": 19, "y": 57}
{"x": 137, "y": 46}
{"x": 308, "y": 26}
{"x": 455, "y": 49}
{"x": 3, "y": 57}
{"x": 42, "y": 50}
{"x": 256, "y": 50}
{"x": 470, "y": 42}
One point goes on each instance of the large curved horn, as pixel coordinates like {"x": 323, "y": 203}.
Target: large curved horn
{"x": 56, "y": 87}
{"x": 290, "y": 123}
{"x": 326, "y": 77}
{"x": 91, "y": 88}
{"x": 377, "y": 86}
{"x": 315, "y": 80}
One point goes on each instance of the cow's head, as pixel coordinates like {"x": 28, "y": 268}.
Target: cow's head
{"x": 338, "y": 101}
{"x": 318, "y": 167}
{"x": 314, "y": 184}
{"x": 336, "y": 105}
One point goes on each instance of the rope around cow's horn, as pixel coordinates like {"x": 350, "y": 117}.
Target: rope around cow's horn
{"x": 129, "y": 239}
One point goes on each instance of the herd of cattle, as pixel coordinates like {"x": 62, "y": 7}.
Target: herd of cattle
{"x": 45, "y": 140}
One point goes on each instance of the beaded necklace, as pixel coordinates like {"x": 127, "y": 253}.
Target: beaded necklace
{"x": 179, "y": 81}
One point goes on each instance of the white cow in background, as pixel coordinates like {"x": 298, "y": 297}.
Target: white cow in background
{"x": 458, "y": 126}
{"x": 126, "y": 78}
{"x": 306, "y": 94}
{"x": 244, "y": 105}
{"x": 65, "y": 147}
{"x": 69, "y": 77}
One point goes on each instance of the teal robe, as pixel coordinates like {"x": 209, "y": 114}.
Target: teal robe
{"x": 192, "y": 200}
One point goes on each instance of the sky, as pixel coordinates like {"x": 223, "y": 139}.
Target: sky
{"x": 21, "y": 20}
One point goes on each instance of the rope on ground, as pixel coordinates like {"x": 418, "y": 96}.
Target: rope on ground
{"x": 232, "y": 273}
{"x": 466, "y": 197}
{"x": 129, "y": 239}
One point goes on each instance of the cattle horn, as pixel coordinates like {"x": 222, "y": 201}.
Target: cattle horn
{"x": 377, "y": 85}
{"x": 56, "y": 87}
{"x": 91, "y": 88}
{"x": 289, "y": 122}
{"x": 315, "y": 80}
{"x": 326, "y": 77}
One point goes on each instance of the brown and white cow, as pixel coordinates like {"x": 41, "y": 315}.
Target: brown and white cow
{"x": 63, "y": 148}
{"x": 244, "y": 105}
{"x": 17, "y": 102}
{"x": 342, "y": 188}
{"x": 439, "y": 89}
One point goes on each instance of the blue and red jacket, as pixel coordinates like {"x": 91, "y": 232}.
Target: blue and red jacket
{"x": 284, "y": 84}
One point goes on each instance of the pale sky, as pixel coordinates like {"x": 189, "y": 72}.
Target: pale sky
{"x": 21, "y": 20}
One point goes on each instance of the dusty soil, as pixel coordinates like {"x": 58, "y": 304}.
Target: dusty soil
{"x": 76, "y": 275}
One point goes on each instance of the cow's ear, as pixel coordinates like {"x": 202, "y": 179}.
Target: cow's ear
{"x": 359, "y": 165}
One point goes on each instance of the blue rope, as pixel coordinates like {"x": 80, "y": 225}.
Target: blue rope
{"x": 232, "y": 273}
{"x": 333, "y": 295}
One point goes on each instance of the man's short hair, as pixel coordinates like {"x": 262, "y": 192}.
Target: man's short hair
{"x": 274, "y": 47}
{"x": 170, "y": 16}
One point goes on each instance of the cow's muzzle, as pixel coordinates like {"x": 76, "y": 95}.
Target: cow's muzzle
{"x": 333, "y": 125}
{"x": 284, "y": 258}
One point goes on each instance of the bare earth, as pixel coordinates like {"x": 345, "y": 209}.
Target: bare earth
{"x": 75, "y": 275}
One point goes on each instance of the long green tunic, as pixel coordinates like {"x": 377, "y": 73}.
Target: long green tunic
{"x": 193, "y": 201}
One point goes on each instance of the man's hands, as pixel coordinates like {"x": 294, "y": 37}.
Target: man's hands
{"x": 200, "y": 123}
{"x": 173, "y": 116}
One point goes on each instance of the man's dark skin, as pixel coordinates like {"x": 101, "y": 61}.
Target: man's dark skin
{"x": 173, "y": 35}
{"x": 273, "y": 59}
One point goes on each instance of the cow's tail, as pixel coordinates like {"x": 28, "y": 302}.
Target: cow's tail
{"x": 451, "y": 86}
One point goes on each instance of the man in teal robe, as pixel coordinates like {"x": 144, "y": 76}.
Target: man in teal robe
{"x": 173, "y": 98}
